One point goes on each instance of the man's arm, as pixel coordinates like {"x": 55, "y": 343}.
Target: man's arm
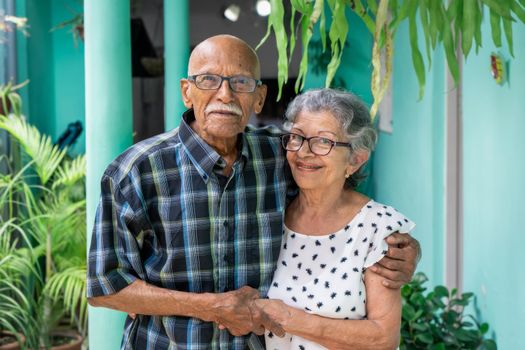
{"x": 232, "y": 309}
{"x": 399, "y": 265}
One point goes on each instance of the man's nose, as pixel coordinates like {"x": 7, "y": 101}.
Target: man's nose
{"x": 225, "y": 93}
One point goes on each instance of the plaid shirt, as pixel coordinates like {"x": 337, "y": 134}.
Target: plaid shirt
{"x": 165, "y": 218}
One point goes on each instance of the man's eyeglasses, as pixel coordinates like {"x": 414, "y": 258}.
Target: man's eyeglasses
{"x": 320, "y": 146}
{"x": 237, "y": 83}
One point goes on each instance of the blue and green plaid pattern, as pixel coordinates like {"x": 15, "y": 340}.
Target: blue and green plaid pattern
{"x": 164, "y": 218}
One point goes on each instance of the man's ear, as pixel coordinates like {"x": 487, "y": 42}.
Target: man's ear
{"x": 260, "y": 98}
{"x": 185, "y": 92}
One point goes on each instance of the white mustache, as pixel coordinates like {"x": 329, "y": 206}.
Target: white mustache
{"x": 228, "y": 108}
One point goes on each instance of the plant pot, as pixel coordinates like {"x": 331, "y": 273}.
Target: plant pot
{"x": 74, "y": 343}
{"x": 11, "y": 345}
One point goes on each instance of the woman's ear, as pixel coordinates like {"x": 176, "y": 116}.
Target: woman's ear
{"x": 357, "y": 159}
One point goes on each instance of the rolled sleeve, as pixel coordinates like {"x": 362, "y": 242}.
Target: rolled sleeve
{"x": 114, "y": 255}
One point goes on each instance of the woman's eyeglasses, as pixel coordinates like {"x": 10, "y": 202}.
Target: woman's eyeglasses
{"x": 318, "y": 145}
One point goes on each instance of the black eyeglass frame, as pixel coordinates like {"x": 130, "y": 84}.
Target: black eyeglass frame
{"x": 332, "y": 142}
{"x": 228, "y": 79}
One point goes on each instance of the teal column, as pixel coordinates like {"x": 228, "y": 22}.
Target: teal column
{"x": 176, "y": 53}
{"x": 108, "y": 124}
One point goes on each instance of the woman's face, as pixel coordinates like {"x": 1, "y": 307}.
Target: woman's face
{"x": 311, "y": 171}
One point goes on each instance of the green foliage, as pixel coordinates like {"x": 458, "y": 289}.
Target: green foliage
{"x": 42, "y": 233}
{"x": 455, "y": 25}
{"x": 436, "y": 320}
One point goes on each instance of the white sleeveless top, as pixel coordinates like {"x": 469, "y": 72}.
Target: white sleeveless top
{"x": 324, "y": 275}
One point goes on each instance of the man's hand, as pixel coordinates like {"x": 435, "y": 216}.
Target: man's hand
{"x": 399, "y": 264}
{"x": 234, "y": 311}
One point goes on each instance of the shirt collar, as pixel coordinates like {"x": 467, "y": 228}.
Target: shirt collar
{"x": 203, "y": 156}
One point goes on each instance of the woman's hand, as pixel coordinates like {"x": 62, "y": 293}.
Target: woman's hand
{"x": 276, "y": 313}
{"x": 399, "y": 264}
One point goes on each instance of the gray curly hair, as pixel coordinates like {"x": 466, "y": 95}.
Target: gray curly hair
{"x": 349, "y": 110}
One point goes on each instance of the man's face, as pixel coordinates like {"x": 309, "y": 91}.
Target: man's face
{"x": 213, "y": 120}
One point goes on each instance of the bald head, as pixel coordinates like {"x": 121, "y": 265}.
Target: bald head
{"x": 223, "y": 46}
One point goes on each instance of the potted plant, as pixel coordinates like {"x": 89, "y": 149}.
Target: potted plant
{"x": 436, "y": 319}
{"x": 15, "y": 306}
{"x": 45, "y": 200}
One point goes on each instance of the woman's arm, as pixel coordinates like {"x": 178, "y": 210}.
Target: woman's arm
{"x": 379, "y": 331}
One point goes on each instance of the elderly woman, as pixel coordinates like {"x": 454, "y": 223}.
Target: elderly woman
{"x": 323, "y": 293}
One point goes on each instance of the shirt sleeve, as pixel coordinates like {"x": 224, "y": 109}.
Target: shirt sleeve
{"x": 114, "y": 260}
{"x": 391, "y": 221}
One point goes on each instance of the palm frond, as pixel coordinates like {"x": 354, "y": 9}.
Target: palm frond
{"x": 69, "y": 287}
{"x": 40, "y": 148}
{"x": 71, "y": 172}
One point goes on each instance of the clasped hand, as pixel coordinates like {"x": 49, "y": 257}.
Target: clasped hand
{"x": 239, "y": 313}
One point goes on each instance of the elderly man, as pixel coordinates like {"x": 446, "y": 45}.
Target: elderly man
{"x": 189, "y": 223}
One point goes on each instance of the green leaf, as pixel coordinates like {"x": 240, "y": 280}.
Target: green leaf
{"x": 469, "y": 25}
{"x": 518, "y": 10}
{"x": 425, "y": 338}
{"x": 495, "y": 25}
{"x": 417, "y": 59}
{"x": 441, "y": 292}
{"x": 507, "y": 27}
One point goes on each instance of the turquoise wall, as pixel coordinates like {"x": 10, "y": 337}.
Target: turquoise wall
{"x": 409, "y": 163}
{"x": 68, "y": 72}
{"x": 54, "y": 66}
{"x": 494, "y": 189}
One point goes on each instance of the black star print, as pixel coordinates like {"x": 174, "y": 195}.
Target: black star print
{"x": 347, "y": 293}
{"x": 332, "y": 249}
{"x": 299, "y": 265}
{"x": 310, "y": 296}
{"x": 333, "y": 270}
{"x": 316, "y": 280}
{"x": 275, "y": 284}
{"x": 292, "y": 235}
{"x": 347, "y": 227}
{"x": 400, "y": 223}
{"x": 379, "y": 214}
{"x": 366, "y": 239}
{"x": 326, "y": 284}
{"x": 304, "y": 289}
{"x": 294, "y": 299}
{"x": 389, "y": 227}
{"x": 309, "y": 271}
{"x": 349, "y": 240}
{"x": 284, "y": 263}
{"x": 288, "y": 288}
{"x": 317, "y": 243}
{"x": 314, "y": 257}
{"x": 352, "y": 309}
{"x": 323, "y": 266}
{"x": 333, "y": 295}
{"x": 343, "y": 259}
{"x": 388, "y": 214}
{"x": 332, "y": 236}
{"x": 338, "y": 309}
{"x": 302, "y": 247}
{"x": 355, "y": 269}
{"x": 360, "y": 224}
{"x": 345, "y": 276}
{"x": 319, "y": 304}
{"x": 284, "y": 246}
{"x": 295, "y": 255}
{"x": 356, "y": 252}
{"x": 295, "y": 278}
